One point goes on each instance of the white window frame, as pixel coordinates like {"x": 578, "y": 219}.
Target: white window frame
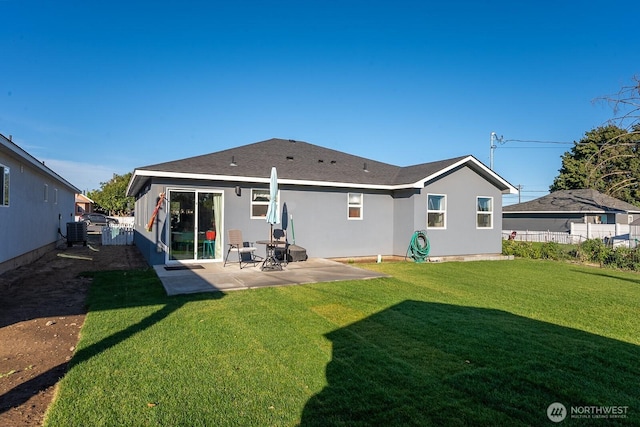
{"x": 442, "y": 211}
{"x": 483, "y": 212}
{"x": 265, "y": 203}
{"x": 55, "y": 196}
{"x": 5, "y": 180}
{"x": 355, "y": 205}
{"x": 46, "y": 193}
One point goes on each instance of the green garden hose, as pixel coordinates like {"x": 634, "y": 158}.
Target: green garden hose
{"x": 419, "y": 246}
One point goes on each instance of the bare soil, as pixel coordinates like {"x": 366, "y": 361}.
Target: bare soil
{"x": 42, "y": 310}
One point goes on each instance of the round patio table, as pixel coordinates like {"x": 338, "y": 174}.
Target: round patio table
{"x": 271, "y": 262}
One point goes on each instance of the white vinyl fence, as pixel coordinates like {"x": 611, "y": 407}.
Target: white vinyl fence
{"x": 600, "y": 231}
{"x": 540, "y": 236}
{"x": 117, "y": 234}
{"x": 611, "y": 234}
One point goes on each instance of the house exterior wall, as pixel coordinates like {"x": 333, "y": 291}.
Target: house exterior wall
{"x": 31, "y": 223}
{"x": 461, "y": 235}
{"x": 322, "y": 227}
{"x": 540, "y": 221}
{"x": 309, "y": 208}
{"x": 405, "y": 210}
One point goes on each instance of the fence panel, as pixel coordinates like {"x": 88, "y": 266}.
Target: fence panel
{"x": 600, "y": 231}
{"x": 117, "y": 235}
{"x": 540, "y": 236}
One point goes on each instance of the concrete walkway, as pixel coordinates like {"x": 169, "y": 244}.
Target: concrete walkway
{"x": 212, "y": 277}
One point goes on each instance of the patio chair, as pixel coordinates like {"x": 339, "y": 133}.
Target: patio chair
{"x": 281, "y": 252}
{"x": 245, "y": 252}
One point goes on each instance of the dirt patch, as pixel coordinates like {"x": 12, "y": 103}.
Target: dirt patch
{"x": 42, "y": 309}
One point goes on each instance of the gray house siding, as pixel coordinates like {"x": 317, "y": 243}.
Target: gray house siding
{"x": 406, "y": 209}
{"x": 39, "y": 206}
{"x": 540, "y": 221}
{"x": 461, "y": 236}
{"x": 322, "y": 227}
{"x": 309, "y": 208}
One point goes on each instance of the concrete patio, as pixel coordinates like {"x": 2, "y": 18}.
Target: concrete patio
{"x": 213, "y": 277}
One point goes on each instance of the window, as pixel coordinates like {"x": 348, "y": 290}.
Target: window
{"x": 4, "y": 185}
{"x": 484, "y": 214}
{"x": 259, "y": 203}
{"x": 46, "y": 193}
{"x": 55, "y": 196}
{"x": 354, "y": 205}
{"x": 436, "y": 210}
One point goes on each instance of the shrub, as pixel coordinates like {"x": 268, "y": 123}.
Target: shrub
{"x": 551, "y": 250}
{"x": 534, "y": 250}
{"x": 594, "y": 250}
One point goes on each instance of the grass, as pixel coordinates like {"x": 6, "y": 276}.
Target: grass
{"x": 482, "y": 343}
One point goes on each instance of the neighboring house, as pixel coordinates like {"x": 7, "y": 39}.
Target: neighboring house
{"x": 338, "y": 205}
{"x": 35, "y": 204}
{"x": 564, "y": 209}
{"x": 84, "y": 205}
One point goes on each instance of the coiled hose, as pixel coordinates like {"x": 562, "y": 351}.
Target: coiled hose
{"x": 419, "y": 247}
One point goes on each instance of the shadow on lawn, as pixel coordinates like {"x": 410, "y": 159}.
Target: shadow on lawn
{"x": 420, "y": 363}
{"x": 111, "y": 290}
{"x": 602, "y": 273}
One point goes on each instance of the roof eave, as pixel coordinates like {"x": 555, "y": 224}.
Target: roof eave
{"x": 506, "y": 187}
{"x": 136, "y": 179}
{"x": 18, "y": 151}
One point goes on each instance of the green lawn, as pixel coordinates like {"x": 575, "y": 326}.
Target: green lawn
{"x": 479, "y": 343}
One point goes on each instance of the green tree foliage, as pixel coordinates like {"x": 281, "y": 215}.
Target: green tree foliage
{"x": 111, "y": 197}
{"x": 606, "y": 159}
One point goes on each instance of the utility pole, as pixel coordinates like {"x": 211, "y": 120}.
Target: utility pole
{"x": 519, "y": 187}
{"x": 493, "y": 146}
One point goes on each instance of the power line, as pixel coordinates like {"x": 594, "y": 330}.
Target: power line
{"x": 536, "y": 141}
{"x": 536, "y": 148}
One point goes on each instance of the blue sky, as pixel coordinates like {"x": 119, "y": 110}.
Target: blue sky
{"x": 96, "y": 88}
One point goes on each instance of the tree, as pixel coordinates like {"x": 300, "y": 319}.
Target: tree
{"x": 111, "y": 197}
{"x": 607, "y": 159}
{"x": 626, "y": 106}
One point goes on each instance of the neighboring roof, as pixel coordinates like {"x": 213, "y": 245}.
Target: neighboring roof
{"x": 573, "y": 201}
{"x": 28, "y": 158}
{"x": 302, "y": 163}
{"x": 81, "y": 198}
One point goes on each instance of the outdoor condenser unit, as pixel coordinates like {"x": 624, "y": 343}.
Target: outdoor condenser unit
{"x": 76, "y": 233}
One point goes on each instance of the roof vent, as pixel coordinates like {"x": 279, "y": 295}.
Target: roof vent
{"x": 289, "y": 157}
{"x": 364, "y": 168}
{"x": 333, "y": 162}
{"x": 320, "y": 161}
{"x": 292, "y": 140}
{"x": 233, "y": 161}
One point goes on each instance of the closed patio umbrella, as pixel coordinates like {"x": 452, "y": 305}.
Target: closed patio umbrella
{"x": 273, "y": 216}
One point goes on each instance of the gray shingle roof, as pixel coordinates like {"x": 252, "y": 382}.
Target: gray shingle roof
{"x": 585, "y": 200}
{"x": 302, "y": 162}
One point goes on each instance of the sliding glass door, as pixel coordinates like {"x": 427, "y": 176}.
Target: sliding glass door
{"x": 195, "y": 219}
